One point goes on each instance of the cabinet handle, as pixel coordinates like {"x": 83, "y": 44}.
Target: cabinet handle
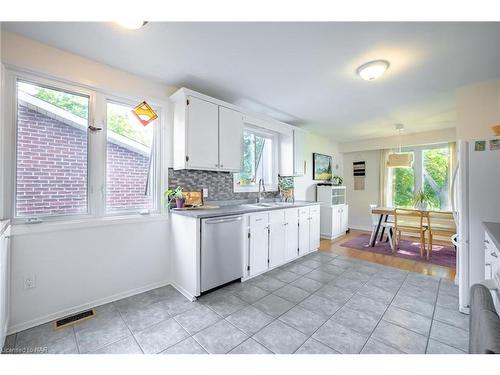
{"x": 221, "y": 166}
{"x": 216, "y": 165}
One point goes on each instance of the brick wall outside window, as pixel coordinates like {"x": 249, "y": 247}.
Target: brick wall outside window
{"x": 52, "y": 169}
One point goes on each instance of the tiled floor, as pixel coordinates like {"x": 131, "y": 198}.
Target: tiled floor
{"x": 321, "y": 303}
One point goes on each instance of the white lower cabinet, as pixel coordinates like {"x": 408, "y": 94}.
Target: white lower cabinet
{"x": 280, "y": 236}
{"x": 4, "y": 284}
{"x": 334, "y": 220}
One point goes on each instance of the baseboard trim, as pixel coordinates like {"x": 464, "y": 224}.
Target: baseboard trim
{"x": 72, "y": 310}
{"x": 184, "y": 292}
{"x": 356, "y": 227}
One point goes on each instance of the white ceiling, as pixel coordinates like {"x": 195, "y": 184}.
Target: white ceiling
{"x": 301, "y": 73}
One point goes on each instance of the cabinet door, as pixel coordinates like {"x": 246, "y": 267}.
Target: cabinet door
{"x": 303, "y": 230}
{"x": 202, "y": 134}
{"x": 230, "y": 139}
{"x": 345, "y": 218}
{"x": 4, "y": 284}
{"x": 291, "y": 234}
{"x": 259, "y": 243}
{"x": 336, "y": 221}
{"x": 277, "y": 238}
{"x": 314, "y": 228}
{"x": 298, "y": 153}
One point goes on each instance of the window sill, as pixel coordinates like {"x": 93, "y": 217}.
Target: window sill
{"x": 26, "y": 229}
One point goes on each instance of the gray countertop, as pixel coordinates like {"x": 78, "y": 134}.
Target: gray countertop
{"x": 493, "y": 230}
{"x": 239, "y": 209}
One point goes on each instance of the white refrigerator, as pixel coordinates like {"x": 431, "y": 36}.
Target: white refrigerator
{"x": 476, "y": 198}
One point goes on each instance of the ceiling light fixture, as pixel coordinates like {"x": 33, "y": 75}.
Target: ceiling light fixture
{"x": 373, "y": 69}
{"x": 132, "y": 25}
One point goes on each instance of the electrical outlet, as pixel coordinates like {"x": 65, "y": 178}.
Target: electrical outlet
{"x": 205, "y": 193}
{"x": 29, "y": 281}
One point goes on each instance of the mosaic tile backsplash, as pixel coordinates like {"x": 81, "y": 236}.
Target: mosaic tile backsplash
{"x": 219, "y": 184}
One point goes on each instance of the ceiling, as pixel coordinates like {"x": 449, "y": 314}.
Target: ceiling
{"x": 301, "y": 73}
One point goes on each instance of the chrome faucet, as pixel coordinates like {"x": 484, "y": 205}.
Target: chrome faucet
{"x": 261, "y": 183}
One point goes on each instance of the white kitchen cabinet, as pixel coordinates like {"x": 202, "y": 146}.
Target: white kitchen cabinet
{"x": 334, "y": 221}
{"x": 292, "y": 153}
{"x": 314, "y": 228}
{"x": 277, "y": 239}
{"x": 230, "y": 139}
{"x": 291, "y": 234}
{"x": 258, "y": 248}
{"x": 4, "y": 282}
{"x": 304, "y": 240}
{"x": 206, "y": 136}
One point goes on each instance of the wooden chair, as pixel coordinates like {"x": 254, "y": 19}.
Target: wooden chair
{"x": 384, "y": 225}
{"x": 441, "y": 224}
{"x": 410, "y": 221}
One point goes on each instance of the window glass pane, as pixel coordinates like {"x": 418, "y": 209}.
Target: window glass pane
{"x": 51, "y": 160}
{"x": 403, "y": 187}
{"x": 129, "y": 181}
{"x": 257, "y": 160}
{"x": 436, "y": 177}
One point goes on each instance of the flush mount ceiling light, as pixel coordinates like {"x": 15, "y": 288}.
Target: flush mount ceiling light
{"x": 372, "y": 70}
{"x": 132, "y": 25}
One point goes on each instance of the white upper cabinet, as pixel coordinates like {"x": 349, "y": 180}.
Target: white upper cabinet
{"x": 202, "y": 123}
{"x": 292, "y": 153}
{"x": 230, "y": 139}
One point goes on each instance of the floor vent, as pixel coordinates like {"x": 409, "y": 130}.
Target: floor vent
{"x": 69, "y": 320}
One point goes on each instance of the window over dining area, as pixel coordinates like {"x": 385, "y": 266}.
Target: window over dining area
{"x": 430, "y": 174}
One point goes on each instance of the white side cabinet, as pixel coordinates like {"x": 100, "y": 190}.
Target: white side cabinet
{"x": 206, "y": 135}
{"x": 280, "y": 236}
{"x": 334, "y": 221}
{"x": 4, "y": 282}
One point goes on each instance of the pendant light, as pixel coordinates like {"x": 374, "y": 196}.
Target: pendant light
{"x": 400, "y": 159}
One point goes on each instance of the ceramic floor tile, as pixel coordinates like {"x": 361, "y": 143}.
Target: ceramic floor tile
{"x": 267, "y": 283}
{"x": 307, "y": 284}
{"x": 310, "y": 263}
{"x": 436, "y": 347}
{"x": 127, "y": 345}
{"x": 187, "y": 346}
{"x": 142, "y": 317}
{"x": 406, "y": 319}
{"x": 356, "y": 320}
{"x": 400, "y": 338}
{"x": 312, "y": 346}
{"x": 286, "y": 276}
{"x": 320, "y": 305}
{"x": 447, "y": 301}
{"x": 452, "y": 317}
{"x": 367, "y": 305}
{"x": 299, "y": 269}
{"x": 355, "y": 275}
{"x": 41, "y": 336}
{"x": 161, "y": 336}
{"x": 138, "y": 300}
{"x": 250, "y": 346}
{"x": 251, "y": 293}
{"x": 450, "y": 335}
{"x": 95, "y": 337}
{"x": 322, "y": 277}
{"x": 292, "y": 293}
{"x": 177, "y": 304}
{"x": 303, "y": 320}
{"x": 249, "y": 320}
{"x": 334, "y": 293}
{"x": 377, "y": 347}
{"x": 413, "y": 305}
{"x": 280, "y": 338}
{"x": 348, "y": 284}
{"x": 273, "y": 305}
{"x": 419, "y": 293}
{"x": 376, "y": 293}
{"x": 224, "y": 304}
{"x": 220, "y": 338}
{"x": 340, "y": 338}
{"x": 9, "y": 344}
{"x": 331, "y": 269}
{"x": 386, "y": 284}
{"x": 448, "y": 288}
{"x": 197, "y": 319}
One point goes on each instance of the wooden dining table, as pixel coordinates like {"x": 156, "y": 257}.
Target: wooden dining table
{"x": 384, "y": 213}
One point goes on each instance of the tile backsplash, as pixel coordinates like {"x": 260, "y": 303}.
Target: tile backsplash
{"x": 219, "y": 184}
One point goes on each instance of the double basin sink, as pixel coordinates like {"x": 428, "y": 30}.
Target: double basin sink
{"x": 267, "y": 204}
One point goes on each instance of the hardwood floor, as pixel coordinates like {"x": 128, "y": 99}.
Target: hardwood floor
{"x": 388, "y": 260}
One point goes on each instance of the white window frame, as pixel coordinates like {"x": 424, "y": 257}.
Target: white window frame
{"x": 418, "y": 168}
{"x": 269, "y": 186}
{"x": 96, "y": 149}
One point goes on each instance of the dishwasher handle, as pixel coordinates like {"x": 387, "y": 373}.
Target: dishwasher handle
{"x": 226, "y": 220}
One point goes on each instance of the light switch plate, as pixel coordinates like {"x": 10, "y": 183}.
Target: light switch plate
{"x": 205, "y": 193}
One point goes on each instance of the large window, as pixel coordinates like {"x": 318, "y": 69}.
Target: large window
{"x": 430, "y": 174}
{"x": 51, "y": 157}
{"x": 130, "y": 165}
{"x": 80, "y": 152}
{"x": 259, "y": 162}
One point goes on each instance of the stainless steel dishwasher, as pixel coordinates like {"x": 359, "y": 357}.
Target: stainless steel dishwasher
{"x": 222, "y": 243}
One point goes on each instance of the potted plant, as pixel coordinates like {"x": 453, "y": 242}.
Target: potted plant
{"x": 337, "y": 180}
{"x": 421, "y": 200}
{"x": 175, "y": 195}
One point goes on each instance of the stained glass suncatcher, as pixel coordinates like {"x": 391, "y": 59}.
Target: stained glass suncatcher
{"x": 144, "y": 113}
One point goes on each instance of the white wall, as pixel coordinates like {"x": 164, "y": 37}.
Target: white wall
{"x": 360, "y": 200}
{"x": 305, "y": 186}
{"x": 76, "y": 268}
{"x": 478, "y": 109}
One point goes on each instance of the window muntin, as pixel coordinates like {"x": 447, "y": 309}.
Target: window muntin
{"x": 130, "y": 161}
{"x": 51, "y": 151}
{"x": 259, "y": 162}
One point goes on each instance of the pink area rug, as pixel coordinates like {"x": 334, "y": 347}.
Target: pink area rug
{"x": 441, "y": 255}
